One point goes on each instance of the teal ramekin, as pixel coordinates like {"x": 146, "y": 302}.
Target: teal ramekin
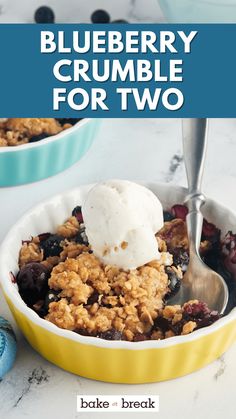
{"x": 36, "y": 161}
{"x": 199, "y": 11}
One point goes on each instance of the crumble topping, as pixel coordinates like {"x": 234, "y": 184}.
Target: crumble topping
{"x": 18, "y": 131}
{"x": 70, "y": 228}
{"x": 174, "y": 235}
{"x": 65, "y": 283}
{"x": 30, "y": 252}
{"x": 134, "y": 297}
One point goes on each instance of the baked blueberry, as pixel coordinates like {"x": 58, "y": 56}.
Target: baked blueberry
{"x": 111, "y": 334}
{"x": 174, "y": 281}
{"x": 179, "y": 211}
{"x": 77, "y": 212}
{"x": 81, "y": 237}
{"x": 200, "y": 313}
{"x": 100, "y": 16}
{"x": 44, "y": 14}
{"x": 50, "y": 297}
{"x": 93, "y": 298}
{"x": 39, "y": 137}
{"x": 181, "y": 258}
{"x": 168, "y": 216}
{"x": 140, "y": 337}
{"x": 71, "y": 121}
{"x": 52, "y": 245}
{"x": 32, "y": 281}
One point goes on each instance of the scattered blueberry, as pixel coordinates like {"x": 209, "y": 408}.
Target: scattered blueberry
{"x": 44, "y": 14}
{"x": 52, "y": 245}
{"x": 120, "y": 21}
{"x": 111, "y": 334}
{"x": 168, "y": 216}
{"x": 32, "y": 281}
{"x": 100, "y": 16}
{"x": 77, "y": 212}
{"x": 39, "y": 137}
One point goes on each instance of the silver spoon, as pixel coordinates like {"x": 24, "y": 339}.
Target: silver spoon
{"x": 199, "y": 282}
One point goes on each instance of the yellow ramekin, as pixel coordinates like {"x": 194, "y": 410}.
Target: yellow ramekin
{"x": 112, "y": 361}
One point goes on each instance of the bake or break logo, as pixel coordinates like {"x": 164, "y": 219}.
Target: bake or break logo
{"x": 118, "y": 403}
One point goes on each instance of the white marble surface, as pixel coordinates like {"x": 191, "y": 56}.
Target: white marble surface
{"x": 79, "y": 11}
{"x": 137, "y": 150}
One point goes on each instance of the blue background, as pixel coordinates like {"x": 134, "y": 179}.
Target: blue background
{"x": 27, "y": 81}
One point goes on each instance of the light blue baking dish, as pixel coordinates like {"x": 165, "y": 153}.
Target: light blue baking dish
{"x": 199, "y": 11}
{"x": 36, "y": 161}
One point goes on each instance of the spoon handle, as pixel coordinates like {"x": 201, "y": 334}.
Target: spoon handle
{"x": 194, "y": 148}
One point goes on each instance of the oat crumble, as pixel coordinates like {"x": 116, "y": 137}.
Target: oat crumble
{"x": 86, "y": 296}
{"x": 18, "y": 131}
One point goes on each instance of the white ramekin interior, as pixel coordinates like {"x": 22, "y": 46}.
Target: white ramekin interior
{"x": 46, "y": 216}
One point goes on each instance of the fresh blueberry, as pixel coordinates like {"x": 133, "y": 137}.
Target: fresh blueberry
{"x": 100, "y": 16}
{"x": 44, "y": 14}
{"x": 32, "y": 281}
{"x": 52, "y": 245}
{"x": 39, "y": 137}
{"x": 120, "y": 21}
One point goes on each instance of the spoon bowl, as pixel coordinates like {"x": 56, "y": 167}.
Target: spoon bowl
{"x": 199, "y": 282}
{"x": 203, "y": 284}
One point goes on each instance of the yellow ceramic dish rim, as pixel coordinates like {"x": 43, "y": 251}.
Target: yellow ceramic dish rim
{"x": 11, "y": 292}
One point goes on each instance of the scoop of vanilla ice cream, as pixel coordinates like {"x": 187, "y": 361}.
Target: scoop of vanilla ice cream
{"x": 121, "y": 219}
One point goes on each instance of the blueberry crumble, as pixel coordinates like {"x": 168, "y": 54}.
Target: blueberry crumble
{"x": 62, "y": 280}
{"x": 18, "y": 131}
